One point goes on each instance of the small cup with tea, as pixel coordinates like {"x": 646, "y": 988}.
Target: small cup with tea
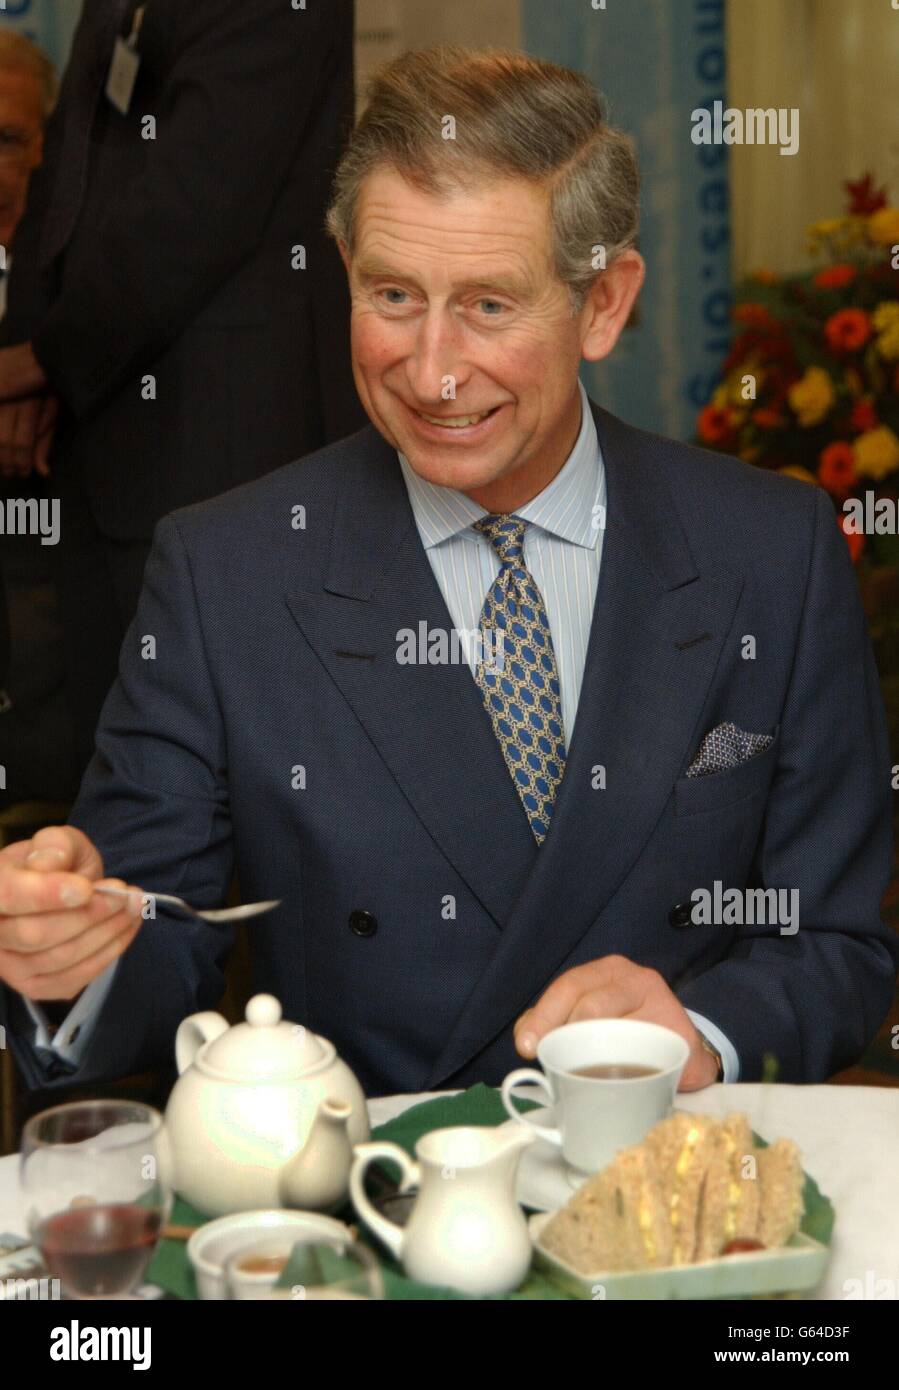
{"x": 609, "y": 1080}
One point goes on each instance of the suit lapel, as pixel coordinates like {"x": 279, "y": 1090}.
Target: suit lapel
{"x": 426, "y": 721}
{"x": 638, "y": 714}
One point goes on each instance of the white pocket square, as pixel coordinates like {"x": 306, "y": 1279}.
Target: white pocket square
{"x": 726, "y": 746}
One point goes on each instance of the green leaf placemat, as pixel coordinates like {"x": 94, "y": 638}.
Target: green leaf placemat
{"x": 480, "y": 1105}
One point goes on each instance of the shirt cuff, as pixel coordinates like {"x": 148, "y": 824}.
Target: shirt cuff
{"x": 72, "y": 1038}
{"x": 730, "y": 1062}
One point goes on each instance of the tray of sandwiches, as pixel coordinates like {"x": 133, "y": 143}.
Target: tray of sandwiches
{"x": 701, "y": 1209}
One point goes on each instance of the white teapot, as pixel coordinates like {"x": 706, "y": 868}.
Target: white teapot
{"x": 264, "y": 1114}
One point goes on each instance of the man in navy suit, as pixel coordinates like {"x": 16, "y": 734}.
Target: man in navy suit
{"x": 523, "y": 714}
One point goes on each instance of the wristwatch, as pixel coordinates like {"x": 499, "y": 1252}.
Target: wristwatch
{"x": 715, "y": 1053}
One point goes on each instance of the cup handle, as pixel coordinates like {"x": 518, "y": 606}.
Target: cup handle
{"x": 387, "y": 1231}
{"x": 534, "y": 1078}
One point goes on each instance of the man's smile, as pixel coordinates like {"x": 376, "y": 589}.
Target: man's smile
{"x": 473, "y": 424}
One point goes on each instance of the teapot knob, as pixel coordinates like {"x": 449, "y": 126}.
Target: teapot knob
{"x": 263, "y": 1011}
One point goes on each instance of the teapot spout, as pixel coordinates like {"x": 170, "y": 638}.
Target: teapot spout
{"x": 317, "y": 1177}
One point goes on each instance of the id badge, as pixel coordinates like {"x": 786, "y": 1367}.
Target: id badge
{"x": 122, "y": 75}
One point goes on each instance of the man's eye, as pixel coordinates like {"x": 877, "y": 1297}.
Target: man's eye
{"x": 401, "y": 295}
{"x": 491, "y": 307}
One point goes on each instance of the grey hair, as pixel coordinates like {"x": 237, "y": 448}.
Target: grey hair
{"x": 515, "y": 116}
{"x": 20, "y": 54}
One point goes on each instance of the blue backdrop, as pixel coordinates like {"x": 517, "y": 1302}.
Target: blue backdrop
{"x": 656, "y": 61}
{"x": 50, "y": 23}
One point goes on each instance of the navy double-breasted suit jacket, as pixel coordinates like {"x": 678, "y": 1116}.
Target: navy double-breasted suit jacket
{"x": 273, "y": 732}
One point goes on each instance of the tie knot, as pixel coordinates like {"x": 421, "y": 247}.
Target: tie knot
{"x": 505, "y": 533}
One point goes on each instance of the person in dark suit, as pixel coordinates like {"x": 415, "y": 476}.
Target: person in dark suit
{"x": 471, "y": 849}
{"x": 174, "y": 296}
{"x": 36, "y": 755}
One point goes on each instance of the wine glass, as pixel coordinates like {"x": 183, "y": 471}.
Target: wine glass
{"x": 96, "y": 1193}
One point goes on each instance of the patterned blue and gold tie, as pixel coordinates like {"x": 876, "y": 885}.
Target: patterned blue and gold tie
{"x": 517, "y": 674}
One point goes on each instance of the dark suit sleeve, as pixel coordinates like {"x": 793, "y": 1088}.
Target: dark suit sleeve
{"x": 815, "y": 1000}
{"x": 154, "y": 800}
{"x": 245, "y": 84}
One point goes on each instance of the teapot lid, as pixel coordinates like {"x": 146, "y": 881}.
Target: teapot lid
{"x": 266, "y": 1047}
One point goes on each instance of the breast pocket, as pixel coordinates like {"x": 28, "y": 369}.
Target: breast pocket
{"x": 717, "y": 790}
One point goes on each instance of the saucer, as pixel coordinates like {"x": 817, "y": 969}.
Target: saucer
{"x": 545, "y": 1179}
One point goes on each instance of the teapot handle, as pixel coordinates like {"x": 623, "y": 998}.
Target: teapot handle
{"x": 193, "y": 1032}
{"x": 387, "y": 1231}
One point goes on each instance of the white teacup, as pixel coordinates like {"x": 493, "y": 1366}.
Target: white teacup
{"x": 595, "y": 1117}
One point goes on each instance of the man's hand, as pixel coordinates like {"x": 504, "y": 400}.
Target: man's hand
{"x": 26, "y": 433}
{"x": 614, "y": 987}
{"x": 56, "y": 934}
{"x": 20, "y": 372}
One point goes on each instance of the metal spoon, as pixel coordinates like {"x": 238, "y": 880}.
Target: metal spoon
{"x": 214, "y": 914}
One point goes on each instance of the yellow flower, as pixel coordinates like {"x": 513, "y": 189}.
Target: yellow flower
{"x": 885, "y": 319}
{"x": 883, "y": 227}
{"x": 795, "y": 470}
{"x": 888, "y": 343}
{"x": 876, "y": 453}
{"x": 827, "y": 227}
{"x": 812, "y": 397}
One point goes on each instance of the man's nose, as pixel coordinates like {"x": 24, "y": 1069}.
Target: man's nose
{"x": 435, "y": 367}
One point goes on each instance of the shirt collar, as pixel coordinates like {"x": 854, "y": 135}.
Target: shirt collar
{"x": 565, "y": 507}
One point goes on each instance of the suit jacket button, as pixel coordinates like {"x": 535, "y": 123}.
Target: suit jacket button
{"x": 363, "y": 923}
{"x": 681, "y": 915}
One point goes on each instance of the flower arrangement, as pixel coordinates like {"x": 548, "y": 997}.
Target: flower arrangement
{"x": 811, "y": 384}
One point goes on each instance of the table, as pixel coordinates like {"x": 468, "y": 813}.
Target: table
{"x": 849, "y": 1138}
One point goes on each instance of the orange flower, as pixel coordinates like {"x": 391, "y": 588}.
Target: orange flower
{"x": 715, "y": 424}
{"x": 836, "y": 469}
{"x": 864, "y": 416}
{"x": 835, "y": 277}
{"x": 848, "y": 330}
{"x": 768, "y": 419}
{"x": 854, "y": 539}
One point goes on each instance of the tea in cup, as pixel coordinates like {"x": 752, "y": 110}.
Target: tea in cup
{"x": 609, "y": 1080}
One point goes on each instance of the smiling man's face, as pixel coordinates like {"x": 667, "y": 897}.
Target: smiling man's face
{"x": 465, "y": 350}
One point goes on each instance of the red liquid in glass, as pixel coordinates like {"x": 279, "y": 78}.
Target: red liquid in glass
{"x": 99, "y": 1251}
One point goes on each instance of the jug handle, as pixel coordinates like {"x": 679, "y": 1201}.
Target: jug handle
{"x": 387, "y": 1231}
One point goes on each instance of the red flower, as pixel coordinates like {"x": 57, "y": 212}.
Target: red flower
{"x": 715, "y": 424}
{"x": 756, "y": 315}
{"x": 854, "y": 539}
{"x": 864, "y": 416}
{"x": 836, "y": 469}
{"x": 835, "y": 277}
{"x": 768, "y": 419}
{"x": 848, "y": 330}
{"x": 864, "y": 198}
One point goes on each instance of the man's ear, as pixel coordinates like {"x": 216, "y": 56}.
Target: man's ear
{"x": 608, "y": 305}
{"x": 344, "y": 255}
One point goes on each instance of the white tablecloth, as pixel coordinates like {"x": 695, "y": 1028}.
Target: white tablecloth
{"x": 849, "y": 1137}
